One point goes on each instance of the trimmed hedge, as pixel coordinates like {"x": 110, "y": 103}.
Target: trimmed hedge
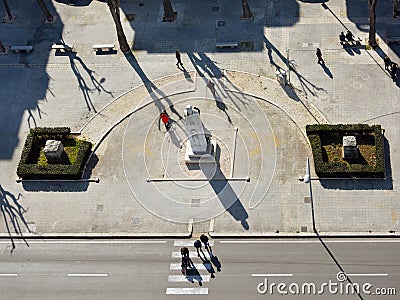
{"x": 28, "y": 167}
{"x": 326, "y": 169}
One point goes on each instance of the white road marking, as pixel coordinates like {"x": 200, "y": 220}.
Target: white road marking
{"x": 87, "y": 275}
{"x": 182, "y": 278}
{"x": 306, "y": 242}
{"x": 174, "y": 266}
{"x": 271, "y": 275}
{"x": 189, "y": 243}
{"x": 9, "y": 275}
{"x": 355, "y": 275}
{"x": 187, "y": 291}
{"x": 89, "y": 242}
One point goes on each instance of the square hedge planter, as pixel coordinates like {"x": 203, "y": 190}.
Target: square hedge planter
{"x": 32, "y": 166}
{"x": 328, "y": 165}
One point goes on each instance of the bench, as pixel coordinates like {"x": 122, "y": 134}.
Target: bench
{"x": 22, "y": 48}
{"x": 58, "y": 48}
{"x": 393, "y": 39}
{"x": 100, "y": 47}
{"x": 227, "y": 45}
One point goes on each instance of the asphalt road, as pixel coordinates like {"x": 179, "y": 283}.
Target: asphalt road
{"x": 150, "y": 269}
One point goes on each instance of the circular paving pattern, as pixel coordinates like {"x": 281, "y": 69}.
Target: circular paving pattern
{"x": 156, "y": 172}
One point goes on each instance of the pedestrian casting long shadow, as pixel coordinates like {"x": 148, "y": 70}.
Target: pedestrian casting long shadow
{"x": 156, "y": 94}
{"x": 306, "y": 85}
{"x": 327, "y": 71}
{"x": 13, "y": 213}
{"x": 225, "y": 192}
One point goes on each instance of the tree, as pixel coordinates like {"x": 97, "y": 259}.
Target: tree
{"x": 2, "y": 48}
{"x": 10, "y": 16}
{"x": 247, "y": 14}
{"x": 113, "y": 5}
{"x": 48, "y": 15}
{"x": 396, "y": 4}
{"x": 169, "y": 14}
{"x": 372, "y": 23}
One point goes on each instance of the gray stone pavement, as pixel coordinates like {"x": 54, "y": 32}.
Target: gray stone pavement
{"x": 44, "y": 89}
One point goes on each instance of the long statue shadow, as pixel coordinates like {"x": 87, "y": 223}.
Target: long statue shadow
{"x": 225, "y": 193}
{"x": 13, "y": 213}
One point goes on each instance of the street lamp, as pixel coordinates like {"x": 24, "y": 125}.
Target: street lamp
{"x": 307, "y": 179}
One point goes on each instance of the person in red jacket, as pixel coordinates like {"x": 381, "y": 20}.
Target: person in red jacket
{"x": 165, "y": 119}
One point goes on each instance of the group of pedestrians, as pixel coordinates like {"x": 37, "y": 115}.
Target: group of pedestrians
{"x": 187, "y": 263}
{"x": 346, "y": 38}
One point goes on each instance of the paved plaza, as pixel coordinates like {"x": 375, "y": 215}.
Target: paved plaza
{"x": 114, "y": 100}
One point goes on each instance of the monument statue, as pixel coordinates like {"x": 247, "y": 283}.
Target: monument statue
{"x": 199, "y": 143}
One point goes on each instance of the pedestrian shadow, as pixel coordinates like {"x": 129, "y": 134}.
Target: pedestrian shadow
{"x": 327, "y": 71}
{"x": 209, "y": 267}
{"x": 13, "y": 213}
{"x": 192, "y": 274}
{"x": 216, "y": 263}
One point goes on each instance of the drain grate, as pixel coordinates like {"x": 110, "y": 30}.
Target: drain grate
{"x": 215, "y": 9}
{"x": 136, "y": 222}
{"x": 303, "y": 228}
{"x": 131, "y": 17}
{"x": 141, "y": 4}
{"x": 99, "y": 207}
{"x": 307, "y": 199}
{"x": 195, "y": 203}
{"x": 220, "y": 23}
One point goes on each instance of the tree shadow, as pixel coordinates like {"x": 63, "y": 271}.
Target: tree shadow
{"x": 13, "y": 212}
{"x": 83, "y": 86}
{"x": 204, "y": 65}
{"x": 156, "y": 94}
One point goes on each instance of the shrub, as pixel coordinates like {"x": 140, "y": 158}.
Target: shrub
{"x": 330, "y": 169}
{"x": 29, "y": 168}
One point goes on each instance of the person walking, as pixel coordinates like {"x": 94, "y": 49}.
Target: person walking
{"x": 319, "y": 56}
{"x": 178, "y": 58}
{"x": 342, "y": 38}
{"x": 204, "y": 239}
{"x": 165, "y": 119}
{"x": 197, "y": 245}
{"x": 387, "y": 62}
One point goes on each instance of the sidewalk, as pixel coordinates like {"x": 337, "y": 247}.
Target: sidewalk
{"x": 91, "y": 93}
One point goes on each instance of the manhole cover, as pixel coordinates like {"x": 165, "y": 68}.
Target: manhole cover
{"x": 247, "y": 46}
{"x": 141, "y": 4}
{"x": 215, "y": 8}
{"x": 220, "y": 23}
{"x": 307, "y": 199}
{"x": 136, "y": 222}
{"x": 100, "y": 207}
{"x": 303, "y": 228}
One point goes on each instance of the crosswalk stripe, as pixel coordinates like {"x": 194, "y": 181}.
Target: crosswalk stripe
{"x": 191, "y": 254}
{"x": 174, "y": 266}
{"x": 189, "y": 243}
{"x": 182, "y": 278}
{"x": 187, "y": 291}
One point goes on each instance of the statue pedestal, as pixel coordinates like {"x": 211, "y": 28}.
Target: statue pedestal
{"x": 209, "y": 156}
{"x": 53, "y": 151}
